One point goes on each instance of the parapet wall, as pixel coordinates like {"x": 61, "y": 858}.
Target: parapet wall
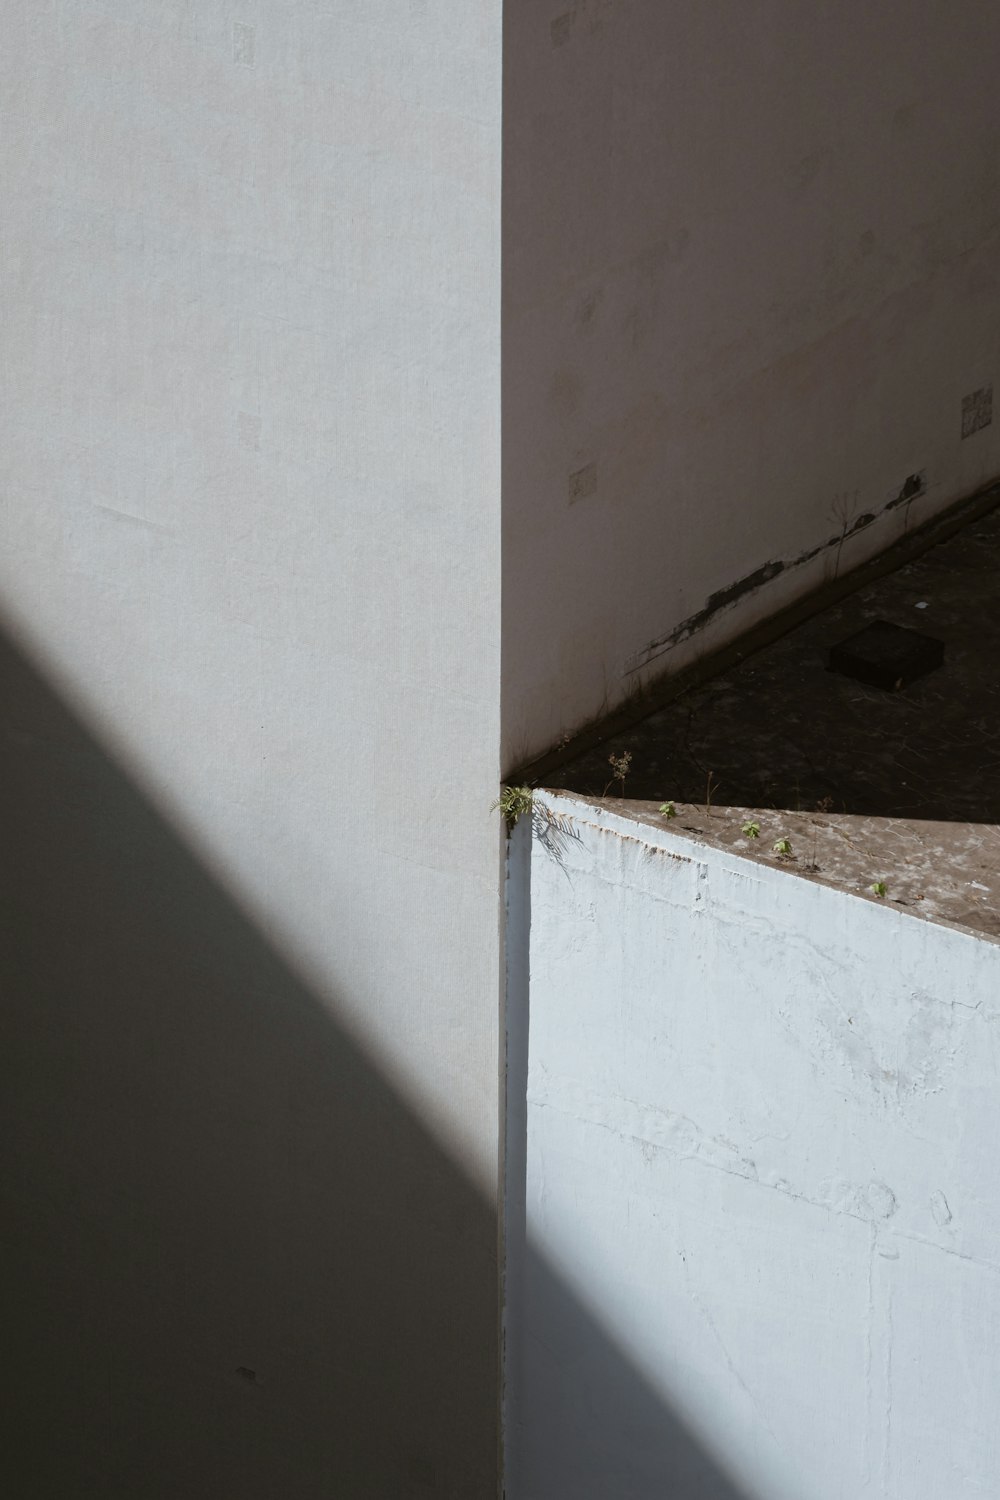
{"x": 761, "y": 1129}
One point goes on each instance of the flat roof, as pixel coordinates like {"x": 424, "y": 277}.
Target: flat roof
{"x": 870, "y": 786}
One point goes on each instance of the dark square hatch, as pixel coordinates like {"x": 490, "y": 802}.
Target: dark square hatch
{"x": 886, "y": 655}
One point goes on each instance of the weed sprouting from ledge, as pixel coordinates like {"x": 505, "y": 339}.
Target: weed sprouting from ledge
{"x": 619, "y": 765}
{"x": 513, "y": 803}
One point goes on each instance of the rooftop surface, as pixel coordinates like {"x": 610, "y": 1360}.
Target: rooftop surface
{"x": 869, "y": 785}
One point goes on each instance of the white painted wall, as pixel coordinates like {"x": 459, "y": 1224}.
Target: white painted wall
{"x": 750, "y": 273}
{"x": 249, "y": 533}
{"x": 761, "y": 1126}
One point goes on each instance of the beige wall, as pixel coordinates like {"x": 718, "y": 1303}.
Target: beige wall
{"x": 750, "y": 273}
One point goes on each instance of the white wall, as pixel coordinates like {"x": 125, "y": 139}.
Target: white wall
{"x": 750, "y": 273}
{"x": 761, "y": 1126}
{"x": 249, "y": 534}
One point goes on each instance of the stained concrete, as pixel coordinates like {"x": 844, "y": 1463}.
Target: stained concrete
{"x": 867, "y": 785}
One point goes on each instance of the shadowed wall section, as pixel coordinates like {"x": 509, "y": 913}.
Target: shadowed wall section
{"x": 750, "y": 314}
{"x": 233, "y": 1262}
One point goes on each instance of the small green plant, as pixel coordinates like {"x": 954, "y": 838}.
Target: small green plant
{"x": 879, "y": 888}
{"x": 783, "y": 848}
{"x": 619, "y": 765}
{"x": 668, "y": 810}
{"x": 512, "y": 803}
{"x": 751, "y": 830}
{"x": 710, "y": 786}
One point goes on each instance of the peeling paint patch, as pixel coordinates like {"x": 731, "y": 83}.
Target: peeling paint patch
{"x": 912, "y": 486}
{"x": 977, "y": 410}
{"x": 723, "y": 599}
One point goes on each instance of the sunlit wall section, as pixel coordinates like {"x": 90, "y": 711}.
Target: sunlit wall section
{"x": 759, "y": 1143}
{"x": 249, "y": 510}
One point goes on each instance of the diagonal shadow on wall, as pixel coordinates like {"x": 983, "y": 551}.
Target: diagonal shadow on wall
{"x": 583, "y": 1424}
{"x": 233, "y": 1262}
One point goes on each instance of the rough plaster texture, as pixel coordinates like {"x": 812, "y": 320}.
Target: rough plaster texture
{"x": 249, "y": 572}
{"x": 760, "y": 1139}
{"x": 750, "y": 279}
